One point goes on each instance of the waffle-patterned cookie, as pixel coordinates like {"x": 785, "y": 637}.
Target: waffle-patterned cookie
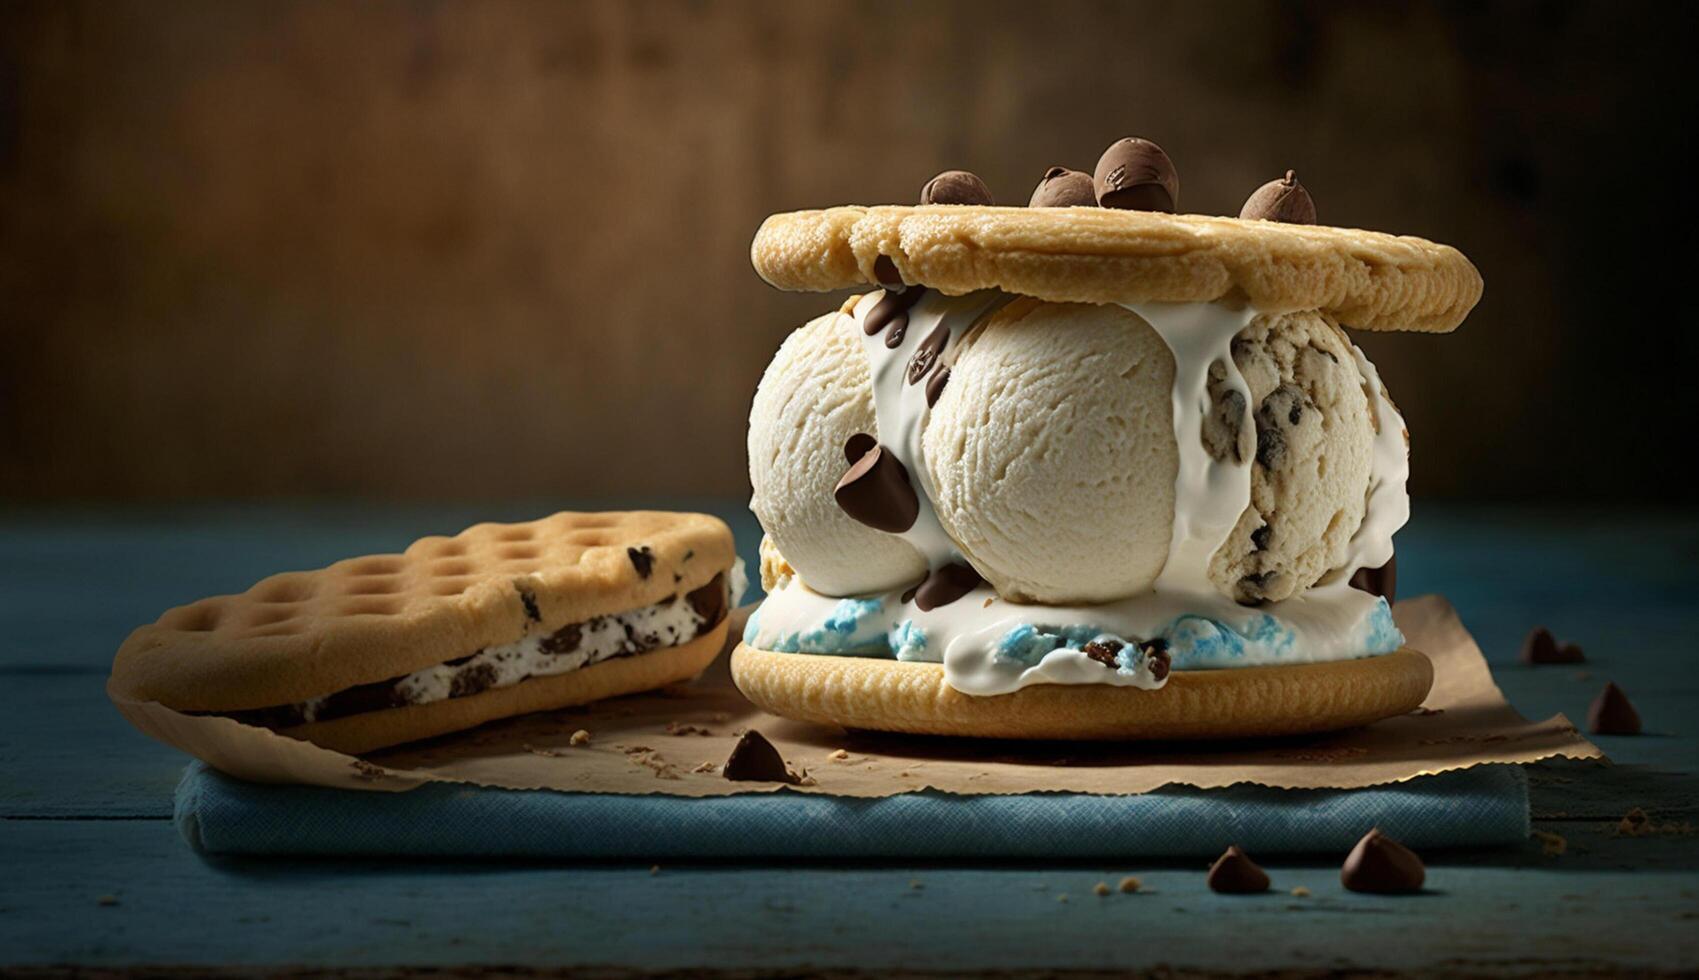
{"x": 1363, "y": 279}
{"x": 437, "y": 638}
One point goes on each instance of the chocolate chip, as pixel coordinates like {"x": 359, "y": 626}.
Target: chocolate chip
{"x": 472, "y": 680}
{"x": 528, "y": 599}
{"x": 1541, "y": 647}
{"x": 899, "y": 330}
{"x": 945, "y": 585}
{"x": 908, "y": 596}
{"x": 1103, "y": 651}
{"x": 1281, "y": 200}
{"x": 935, "y": 384}
{"x": 1382, "y": 866}
{"x": 1227, "y": 418}
{"x": 885, "y": 271}
{"x": 1233, "y": 873}
{"x": 1254, "y": 588}
{"x": 858, "y": 445}
{"x": 563, "y": 640}
{"x": 892, "y": 308}
{"x": 1259, "y": 539}
{"x": 1063, "y": 188}
{"x": 642, "y": 559}
{"x": 927, "y": 353}
{"x": 1157, "y": 656}
{"x": 1134, "y": 174}
{"x": 955, "y": 187}
{"x": 1382, "y": 581}
{"x": 1612, "y": 713}
{"x": 754, "y": 759}
{"x": 876, "y": 491}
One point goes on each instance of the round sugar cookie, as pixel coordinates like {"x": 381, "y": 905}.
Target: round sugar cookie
{"x": 1364, "y": 279}
{"x": 894, "y": 696}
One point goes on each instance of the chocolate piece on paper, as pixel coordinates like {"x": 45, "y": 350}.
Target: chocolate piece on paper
{"x": 1281, "y": 200}
{"x": 1382, "y": 866}
{"x": 1134, "y": 174}
{"x": 1382, "y": 581}
{"x": 1064, "y": 188}
{"x": 876, "y": 491}
{"x": 754, "y": 759}
{"x": 1612, "y": 713}
{"x": 1234, "y": 873}
{"x": 1541, "y": 647}
{"x": 955, "y": 187}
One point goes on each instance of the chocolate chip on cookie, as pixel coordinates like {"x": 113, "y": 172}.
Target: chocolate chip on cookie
{"x": 876, "y": 491}
{"x": 926, "y": 355}
{"x": 1281, "y": 200}
{"x": 1064, "y": 188}
{"x": 1135, "y": 175}
{"x": 891, "y": 311}
{"x": 642, "y": 559}
{"x": 955, "y": 187}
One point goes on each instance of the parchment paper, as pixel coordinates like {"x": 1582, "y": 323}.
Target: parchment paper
{"x": 674, "y": 741}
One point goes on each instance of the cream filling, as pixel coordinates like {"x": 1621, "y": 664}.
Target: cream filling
{"x": 990, "y": 646}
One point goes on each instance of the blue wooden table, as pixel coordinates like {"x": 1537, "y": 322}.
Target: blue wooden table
{"x": 93, "y": 873}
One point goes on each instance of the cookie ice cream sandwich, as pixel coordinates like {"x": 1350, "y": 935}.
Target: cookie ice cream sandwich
{"x": 1087, "y": 468}
{"x": 499, "y": 620}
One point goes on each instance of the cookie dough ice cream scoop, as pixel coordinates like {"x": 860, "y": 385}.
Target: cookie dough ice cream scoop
{"x": 1088, "y": 468}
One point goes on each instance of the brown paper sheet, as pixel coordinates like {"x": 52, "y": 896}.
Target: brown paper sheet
{"x": 673, "y": 742}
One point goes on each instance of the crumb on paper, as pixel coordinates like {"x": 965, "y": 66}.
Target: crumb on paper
{"x": 1634, "y": 823}
{"x": 838, "y": 756}
{"x": 988, "y": 602}
{"x": 654, "y": 869}
{"x": 1427, "y": 712}
{"x": 635, "y": 749}
{"x": 720, "y": 717}
{"x": 1300, "y": 892}
{"x": 1551, "y": 844}
{"x": 580, "y": 737}
{"x": 807, "y": 779}
{"x": 704, "y": 767}
{"x": 680, "y": 728}
{"x": 916, "y": 884}
{"x": 366, "y": 771}
{"x": 546, "y": 753}
{"x": 1063, "y": 898}
{"x": 1583, "y": 675}
{"x": 1100, "y": 889}
{"x": 107, "y": 900}
{"x": 1129, "y": 884}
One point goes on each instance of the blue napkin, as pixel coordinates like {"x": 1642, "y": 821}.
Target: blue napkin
{"x": 221, "y": 815}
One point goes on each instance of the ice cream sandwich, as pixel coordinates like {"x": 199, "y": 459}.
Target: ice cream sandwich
{"x": 499, "y": 620}
{"x": 1087, "y": 468}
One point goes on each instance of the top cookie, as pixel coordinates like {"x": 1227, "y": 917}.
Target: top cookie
{"x": 302, "y": 635}
{"x": 1363, "y": 279}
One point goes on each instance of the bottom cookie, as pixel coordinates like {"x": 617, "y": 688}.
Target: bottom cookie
{"x": 646, "y": 671}
{"x": 896, "y": 696}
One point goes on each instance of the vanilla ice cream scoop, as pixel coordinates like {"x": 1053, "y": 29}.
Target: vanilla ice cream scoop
{"x": 814, "y": 396}
{"x": 1052, "y": 455}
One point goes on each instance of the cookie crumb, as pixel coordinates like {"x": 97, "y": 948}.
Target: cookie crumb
{"x": 680, "y": 728}
{"x": 916, "y": 884}
{"x": 107, "y": 900}
{"x": 838, "y": 756}
{"x": 807, "y": 780}
{"x": 1063, "y": 898}
{"x": 1634, "y": 823}
{"x": 704, "y": 767}
{"x": 654, "y": 869}
{"x": 1300, "y": 892}
{"x": 580, "y": 737}
{"x": 1129, "y": 884}
{"x": 1551, "y": 844}
{"x": 1100, "y": 889}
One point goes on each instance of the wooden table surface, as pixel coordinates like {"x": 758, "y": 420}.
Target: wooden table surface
{"x": 93, "y": 873}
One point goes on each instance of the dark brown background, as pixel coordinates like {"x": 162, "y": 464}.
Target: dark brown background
{"x": 470, "y": 249}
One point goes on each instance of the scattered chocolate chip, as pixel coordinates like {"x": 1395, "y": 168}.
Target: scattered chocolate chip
{"x": 955, "y": 187}
{"x": 945, "y": 585}
{"x": 899, "y": 330}
{"x": 927, "y": 353}
{"x": 1382, "y": 866}
{"x": 1541, "y": 647}
{"x": 1281, "y": 200}
{"x": 642, "y": 559}
{"x": 892, "y": 309}
{"x": 935, "y": 384}
{"x": 1134, "y": 174}
{"x": 528, "y": 599}
{"x": 876, "y": 491}
{"x": 858, "y": 445}
{"x": 1382, "y": 581}
{"x": 1157, "y": 656}
{"x": 754, "y": 759}
{"x": 1103, "y": 651}
{"x": 1063, "y": 188}
{"x": 1612, "y": 713}
{"x": 1233, "y": 873}
{"x": 886, "y": 272}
